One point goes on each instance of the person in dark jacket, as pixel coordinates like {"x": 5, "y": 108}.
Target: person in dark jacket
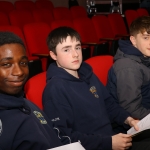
{"x": 129, "y": 77}
{"x": 76, "y": 102}
{"x": 23, "y": 126}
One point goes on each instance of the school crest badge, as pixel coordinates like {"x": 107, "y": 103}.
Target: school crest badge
{"x": 40, "y": 117}
{"x": 93, "y": 91}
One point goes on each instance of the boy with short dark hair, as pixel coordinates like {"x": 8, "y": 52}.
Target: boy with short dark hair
{"x": 23, "y": 126}
{"x": 77, "y": 102}
{"x": 129, "y": 77}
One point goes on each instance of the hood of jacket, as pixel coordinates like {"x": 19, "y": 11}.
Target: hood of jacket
{"x": 127, "y": 50}
{"x": 85, "y": 73}
{"x": 8, "y": 102}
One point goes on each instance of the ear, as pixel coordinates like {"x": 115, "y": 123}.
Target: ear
{"x": 133, "y": 40}
{"x": 53, "y": 56}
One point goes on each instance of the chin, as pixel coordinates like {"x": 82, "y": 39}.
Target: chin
{"x": 147, "y": 55}
{"x": 16, "y": 91}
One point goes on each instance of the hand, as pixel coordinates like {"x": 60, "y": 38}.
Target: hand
{"x": 132, "y": 122}
{"x": 121, "y": 141}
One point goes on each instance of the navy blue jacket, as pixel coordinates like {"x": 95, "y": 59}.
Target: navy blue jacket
{"x": 81, "y": 109}
{"x": 129, "y": 80}
{"x": 23, "y": 126}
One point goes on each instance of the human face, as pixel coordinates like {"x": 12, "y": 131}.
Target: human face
{"x": 69, "y": 55}
{"x": 142, "y": 42}
{"x": 13, "y": 68}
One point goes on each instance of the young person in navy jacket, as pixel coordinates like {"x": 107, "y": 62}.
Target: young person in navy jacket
{"x": 77, "y": 103}
{"x": 23, "y": 126}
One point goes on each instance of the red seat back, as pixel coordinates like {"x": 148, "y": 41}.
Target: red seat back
{"x": 102, "y": 26}
{"x": 62, "y": 13}
{"x": 78, "y": 12}
{"x": 34, "y": 88}
{"x": 4, "y": 20}
{"x": 20, "y": 17}
{"x": 36, "y": 36}
{"x": 6, "y": 6}
{"x": 130, "y": 16}
{"x": 117, "y": 24}
{"x": 85, "y": 28}
{"x": 27, "y": 5}
{"x": 142, "y": 12}
{"x": 59, "y": 23}
{"x": 101, "y": 66}
{"x": 44, "y": 4}
{"x": 43, "y": 15}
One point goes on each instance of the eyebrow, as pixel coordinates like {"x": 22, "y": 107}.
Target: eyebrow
{"x": 68, "y": 46}
{"x": 146, "y": 34}
{"x": 10, "y": 58}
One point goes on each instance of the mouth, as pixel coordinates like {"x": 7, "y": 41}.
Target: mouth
{"x": 76, "y": 61}
{"x": 17, "y": 83}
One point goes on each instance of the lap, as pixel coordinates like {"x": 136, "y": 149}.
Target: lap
{"x": 139, "y": 145}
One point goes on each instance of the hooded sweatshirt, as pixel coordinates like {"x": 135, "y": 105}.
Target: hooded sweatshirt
{"x": 23, "y": 126}
{"x": 81, "y": 109}
{"x": 129, "y": 80}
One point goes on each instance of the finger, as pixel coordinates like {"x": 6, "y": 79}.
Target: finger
{"x": 125, "y": 135}
{"x": 134, "y": 124}
{"x": 129, "y": 144}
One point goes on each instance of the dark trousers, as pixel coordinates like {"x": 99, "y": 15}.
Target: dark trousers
{"x": 141, "y": 145}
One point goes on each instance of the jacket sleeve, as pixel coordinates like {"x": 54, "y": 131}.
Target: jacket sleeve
{"x": 115, "y": 111}
{"x": 128, "y": 85}
{"x": 59, "y": 111}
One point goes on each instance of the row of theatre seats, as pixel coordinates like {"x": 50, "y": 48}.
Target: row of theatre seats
{"x": 7, "y": 6}
{"x": 99, "y": 34}
{"x": 133, "y": 14}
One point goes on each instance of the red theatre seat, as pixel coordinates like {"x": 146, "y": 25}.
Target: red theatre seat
{"x": 6, "y": 7}
{"x": 101, "y": 66}
{"x": 78, "y": 12}
{"x": 34, "y": 88}
{"x": 62, "y": 13}
{"x": 44, "y": 4}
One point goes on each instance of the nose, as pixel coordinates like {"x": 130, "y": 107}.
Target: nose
{"x": 16, "y": 70}
{"x": 75, "y": 53}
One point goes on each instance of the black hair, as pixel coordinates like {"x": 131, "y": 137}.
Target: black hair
{"x": 60, "y": 34}
{"x": 7, "y": 37}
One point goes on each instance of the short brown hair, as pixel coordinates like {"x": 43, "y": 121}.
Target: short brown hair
{"x": 140, "y": 25}
{"x": 59, "y": 34}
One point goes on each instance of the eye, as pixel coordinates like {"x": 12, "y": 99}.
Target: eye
{"x": 78, "y": 48}
{"x": 6, "y": 65}
{"x": 24, "y": 63}
{"x": 146, "y": 38}
{"x": 66, "y": 50}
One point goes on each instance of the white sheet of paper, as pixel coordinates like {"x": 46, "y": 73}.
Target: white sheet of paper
{"x": 72, "y": 146}
{"x": 143, "y": 125}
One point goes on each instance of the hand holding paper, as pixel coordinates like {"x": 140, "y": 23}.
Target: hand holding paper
{"x": 142, "y": 124}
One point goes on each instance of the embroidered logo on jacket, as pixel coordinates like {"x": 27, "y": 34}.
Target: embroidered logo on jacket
{"x": 93, "y": 91}
{"x": 40, "y": 117}
{"x": 56, "y": 119}
{"x": 1, "y": 127}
